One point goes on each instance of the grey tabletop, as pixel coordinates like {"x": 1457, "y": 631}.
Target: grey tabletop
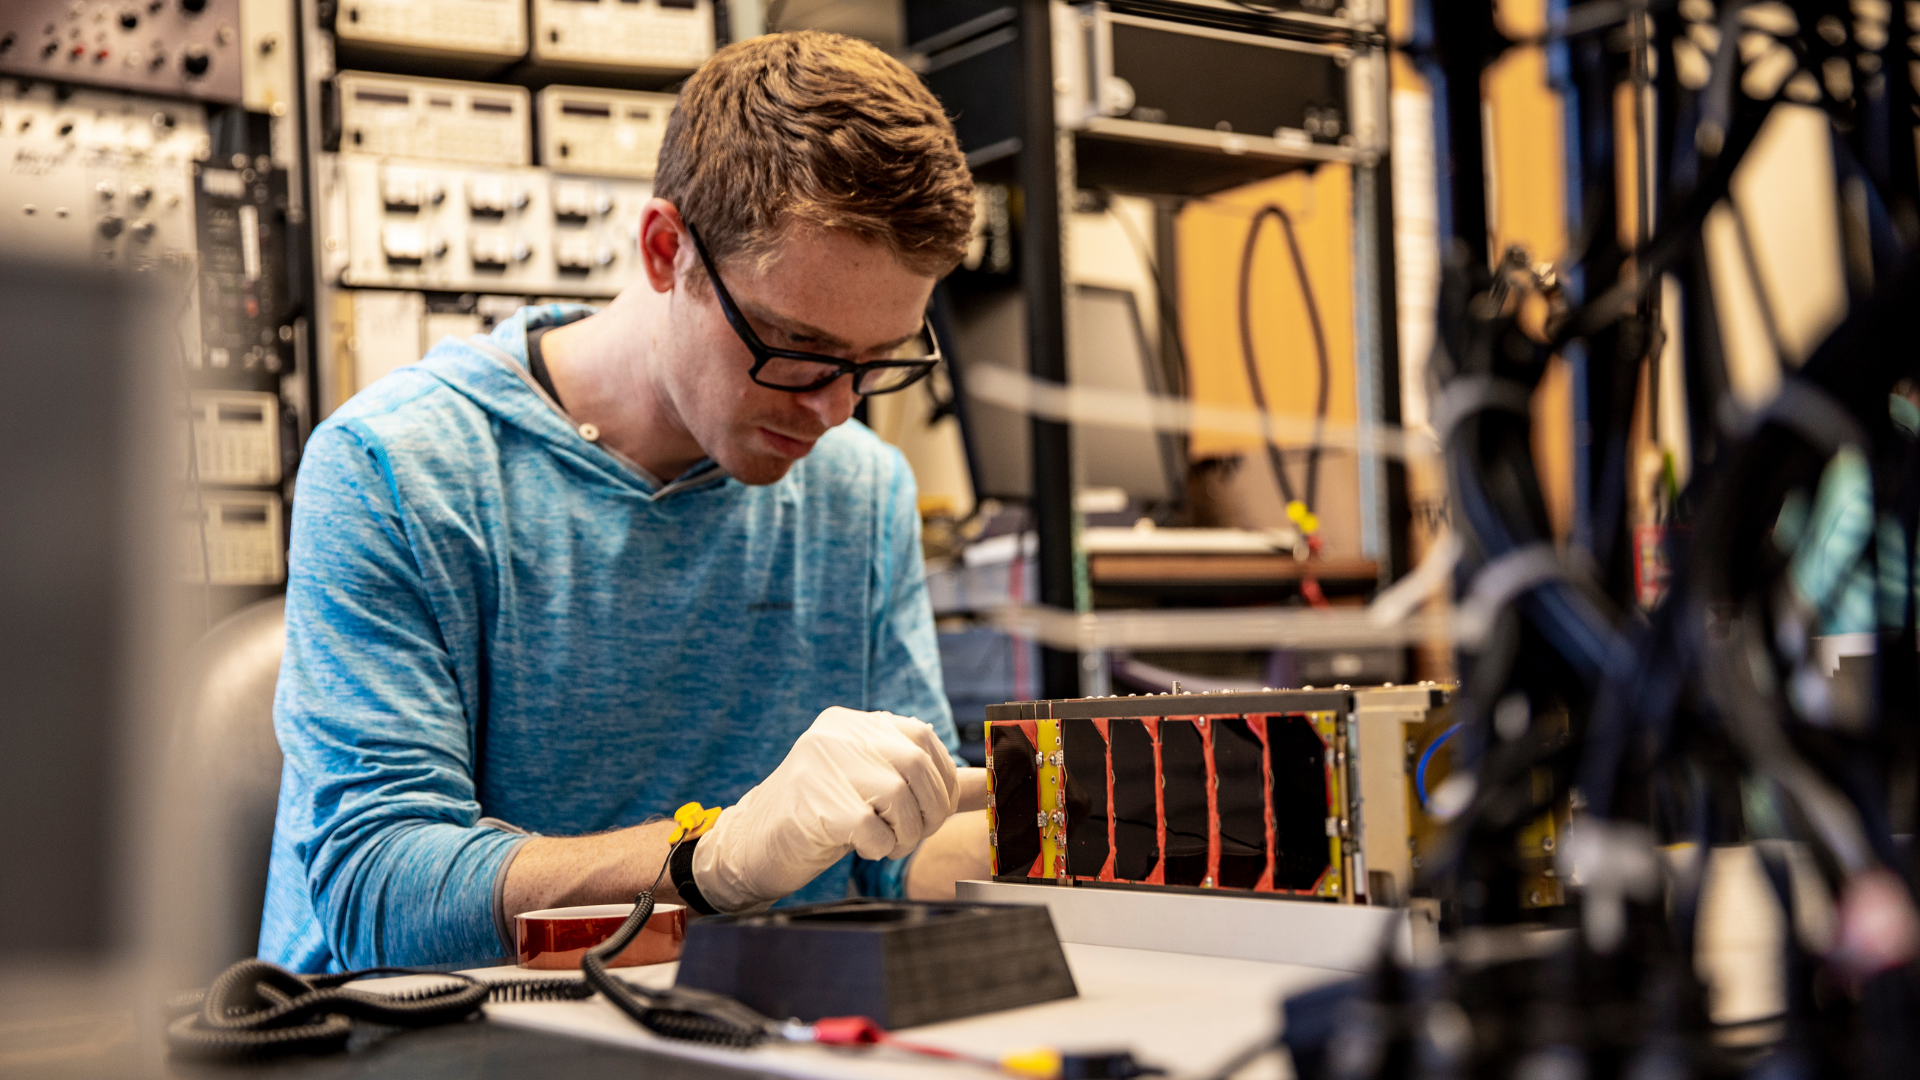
{"x": 475, "y": 1050}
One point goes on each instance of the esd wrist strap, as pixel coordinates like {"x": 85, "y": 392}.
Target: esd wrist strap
{"x": 680, "y": 870}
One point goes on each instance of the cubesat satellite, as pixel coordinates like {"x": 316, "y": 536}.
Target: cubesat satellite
{"x": 1310, "y": 793}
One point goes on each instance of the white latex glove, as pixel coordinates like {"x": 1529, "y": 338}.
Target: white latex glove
{"x": 870, "y": 782}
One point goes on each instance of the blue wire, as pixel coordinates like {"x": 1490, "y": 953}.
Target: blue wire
{"x": 1426, "y": 757}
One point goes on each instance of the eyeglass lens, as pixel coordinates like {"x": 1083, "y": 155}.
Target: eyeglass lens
{"x": 789, "y": 372}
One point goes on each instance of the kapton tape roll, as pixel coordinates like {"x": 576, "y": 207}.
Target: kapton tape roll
{"x": 555, "y": 939}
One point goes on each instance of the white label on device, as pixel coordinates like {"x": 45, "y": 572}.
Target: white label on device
{"x": 250, "y": 241}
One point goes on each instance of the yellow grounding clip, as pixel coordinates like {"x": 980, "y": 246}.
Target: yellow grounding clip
{"x": 694, "y": 820}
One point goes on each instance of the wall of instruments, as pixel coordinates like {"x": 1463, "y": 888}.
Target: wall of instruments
{"x": 329, "y": 188}
{"x": 470, "y": 156}
{"x": 128, "y": 148}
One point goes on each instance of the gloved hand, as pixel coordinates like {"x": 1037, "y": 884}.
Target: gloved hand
{"x": 870, "y": 782}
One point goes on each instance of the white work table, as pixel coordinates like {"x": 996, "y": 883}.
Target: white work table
{"x": 1210, "y": 986}
{"x": 1187, "y": 1014}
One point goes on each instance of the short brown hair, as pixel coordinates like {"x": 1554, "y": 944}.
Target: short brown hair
{"x": 815, "y": 129}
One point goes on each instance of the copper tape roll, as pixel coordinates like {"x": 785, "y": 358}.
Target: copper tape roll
{"x": 554, "y": 939}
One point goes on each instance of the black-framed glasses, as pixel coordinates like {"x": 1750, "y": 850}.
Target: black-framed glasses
{"x": 799, "y": 372}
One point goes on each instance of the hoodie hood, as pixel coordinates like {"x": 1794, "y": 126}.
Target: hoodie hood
{"x": 491, "y": 370}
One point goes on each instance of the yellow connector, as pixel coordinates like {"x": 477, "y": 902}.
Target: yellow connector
{"x": 1036, "y": 1063}
{"x": 694, "y": 820}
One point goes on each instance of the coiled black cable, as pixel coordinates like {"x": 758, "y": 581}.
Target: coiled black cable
{"x": 676, "y": 1012}
{"x": 255, "y": 1009}
{"x": 523, "y": 990}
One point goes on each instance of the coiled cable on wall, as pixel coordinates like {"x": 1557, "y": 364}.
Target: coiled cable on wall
{"x": 1311, "y": 492}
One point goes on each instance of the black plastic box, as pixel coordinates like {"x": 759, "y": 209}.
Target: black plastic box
{"x": 902, "y": 963}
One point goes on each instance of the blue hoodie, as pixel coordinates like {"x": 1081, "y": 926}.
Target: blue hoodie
{"x": 494, "y": 625}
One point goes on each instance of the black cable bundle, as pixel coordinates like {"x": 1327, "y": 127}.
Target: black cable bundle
{"x": 1709, "y": 720}
{"x": 677, "y": 1012}
{"x": 257, "y": 1009}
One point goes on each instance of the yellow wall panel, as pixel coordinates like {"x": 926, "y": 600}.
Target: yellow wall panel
{"x": 1212, "y": 234}
{"x": 1528, "y": 155}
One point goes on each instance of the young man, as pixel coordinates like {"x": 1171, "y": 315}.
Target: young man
{"x": 563, "y": 579}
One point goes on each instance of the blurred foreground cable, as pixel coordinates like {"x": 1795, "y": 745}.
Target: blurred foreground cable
{"x": 1710, "y": 720}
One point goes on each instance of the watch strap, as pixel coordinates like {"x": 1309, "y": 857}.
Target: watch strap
{"x": 680, "y": 871}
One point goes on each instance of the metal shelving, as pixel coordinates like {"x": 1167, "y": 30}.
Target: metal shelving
{"x": 1038, "y": 108}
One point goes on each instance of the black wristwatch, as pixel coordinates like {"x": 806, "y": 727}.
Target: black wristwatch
{"x": 680, "y": 870}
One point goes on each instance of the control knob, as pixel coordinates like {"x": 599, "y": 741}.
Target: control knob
{"x": 142, "y": 230}
{"x": 140, "y": 194}
{"x": 193, "y": 7}
{"x": 110, "y": 225}
{"x": 194, "y": 60}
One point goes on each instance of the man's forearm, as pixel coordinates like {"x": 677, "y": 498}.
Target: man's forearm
{"x": 973, "y": 790}
{"x": 956, "y": 852}
{"x": 611, "y": 867}
{"x": 605, "y": 868}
